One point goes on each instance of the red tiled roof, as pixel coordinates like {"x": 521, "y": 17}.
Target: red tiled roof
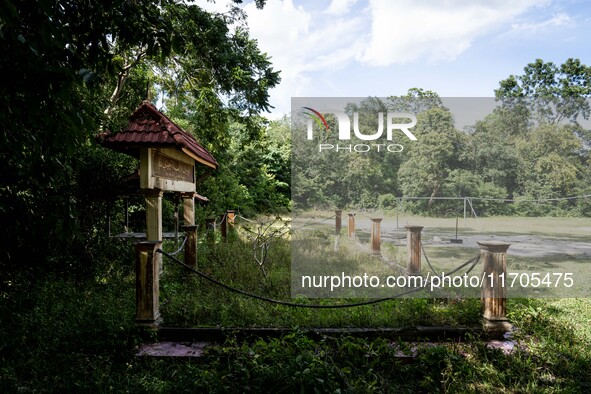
{"x": 149, "y": 127}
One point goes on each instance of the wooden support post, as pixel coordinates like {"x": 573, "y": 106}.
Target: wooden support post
{"x": 227, "y": 224}
{"x": 230, "y": 217}
{"x": 188, "y": 224}
{"x": 153, "y": 214}
{"x": 188, "y": 209}
{"x": 351, "y": 228}
{"x": 224, "y": 227}
{"x": 147, "y": 290}
{"x": 126, "y": 214}
{"x": 109, "y": 219}
{"x": 191, "y": 245}
{"x": 413, "y": 242}
{"x": 154, "y": 218}
{"x": 176, "y": 222}
{"x": 338, "y": 221}
{"x": 397, "y": 202}
{"x": 210, "y": 229}
{"x": 494, "y": 293}
{"x": 375, "y": 239}
{"x": 464, "y": 211}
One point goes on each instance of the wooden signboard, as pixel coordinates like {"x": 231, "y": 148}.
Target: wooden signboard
{"x": 166, "y": 169}
{"x": 170, "y": 168}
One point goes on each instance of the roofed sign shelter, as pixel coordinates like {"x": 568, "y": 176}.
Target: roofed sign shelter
{"x": 168, "y": 156}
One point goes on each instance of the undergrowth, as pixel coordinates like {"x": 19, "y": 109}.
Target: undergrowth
{"x": 61, "y": 333}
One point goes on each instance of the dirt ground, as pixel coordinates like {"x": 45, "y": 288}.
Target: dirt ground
{"x": 529, "y": 237}
{"x": 526, "y": 245}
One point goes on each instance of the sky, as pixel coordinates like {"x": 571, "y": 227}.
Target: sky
{"x": 457, "y": 48}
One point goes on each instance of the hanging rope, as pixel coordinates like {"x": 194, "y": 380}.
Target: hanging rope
{"x": 474, "y": 261}
{"x": 311, "y": 223}
{"x": 243, "y": 218}
{"x": 286, "y": 303}
{"x": 427, "y": 258}
{"x": 180, "y": 248}
{"x": 221, "y": 220}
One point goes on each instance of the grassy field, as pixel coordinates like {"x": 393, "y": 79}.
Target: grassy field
{"x": 545, "y": 246}
{"x": 571, "y": 227}
{"x": 65, "y": 333}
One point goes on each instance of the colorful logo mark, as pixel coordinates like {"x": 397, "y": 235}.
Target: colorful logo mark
{"x": 317, "y": 117}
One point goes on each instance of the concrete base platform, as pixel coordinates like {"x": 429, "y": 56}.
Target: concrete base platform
{"x": 173, "y": 349}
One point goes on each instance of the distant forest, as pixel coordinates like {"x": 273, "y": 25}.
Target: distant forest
{"x": 532, "y": 152}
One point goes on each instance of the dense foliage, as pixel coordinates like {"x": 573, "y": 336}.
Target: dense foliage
{"x": 73, "y": 68}
{"x": 64, "y": 335}
{"x": 531, "y": 150}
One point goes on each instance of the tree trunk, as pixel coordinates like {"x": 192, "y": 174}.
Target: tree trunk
{"x": 436, "y": 188}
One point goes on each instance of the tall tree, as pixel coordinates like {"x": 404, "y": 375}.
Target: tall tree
{"x": 553, "y": 149}
{"x": 550, "y": 162}
{"x": 67, "y": 68}
{"x": 433, "y": 156}
{"x": 415, "y": 101}
{"x": 556, "y": 93}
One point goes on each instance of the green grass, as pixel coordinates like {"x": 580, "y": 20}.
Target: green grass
{"x": 568, "y": 226}
{"x": 60, "y": 333}
{"x": 188, "y": 300}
